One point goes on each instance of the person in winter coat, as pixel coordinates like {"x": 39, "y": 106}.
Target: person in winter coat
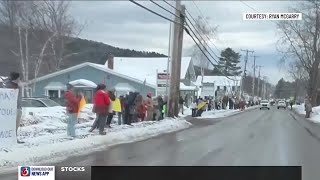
{"x": 149, "y": 106}
{"x": 141, "y": 109}
{"x": 121, "y": 114}
{"x": 308, "y": 107}
{"x": 101, "y": 108}
{"x": 112, "y": 97}
{"x": 161, "y": 104}
{"x": 14, "y": 83}
{"x": 72, "y": 105}
{"x": 193, "y": 107}
{"x": 291, "y": 104}
{"x": 181, "y": 102}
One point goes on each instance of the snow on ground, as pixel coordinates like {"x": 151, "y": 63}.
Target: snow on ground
{"x": 44, "y": 132}
{"x": 315, "y": 115}
{"x": 222, "y": 113}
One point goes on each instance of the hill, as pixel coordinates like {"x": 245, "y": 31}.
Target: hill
{"x": 83, "y": 51}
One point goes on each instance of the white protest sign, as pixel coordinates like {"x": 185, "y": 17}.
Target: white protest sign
{"x": 8, "y": 115}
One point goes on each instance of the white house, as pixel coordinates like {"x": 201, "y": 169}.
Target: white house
{"x": 216, "y": 86}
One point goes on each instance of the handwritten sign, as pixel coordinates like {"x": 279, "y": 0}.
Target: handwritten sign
{"x": 8, "y": 115}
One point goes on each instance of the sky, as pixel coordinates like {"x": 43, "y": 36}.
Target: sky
{"x": 125, "y": 25}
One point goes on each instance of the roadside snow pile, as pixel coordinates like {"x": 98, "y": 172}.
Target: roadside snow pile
{"x": 44, "y": 134}
{"x": 315, "y": 115}
{"x": 223, "y": 113}
{"x": 186, "y": 112}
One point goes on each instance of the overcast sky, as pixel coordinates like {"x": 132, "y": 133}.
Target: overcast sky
{"x": 125, "y": 25}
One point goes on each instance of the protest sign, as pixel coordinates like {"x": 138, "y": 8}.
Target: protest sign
{"x": 8, "y": 114}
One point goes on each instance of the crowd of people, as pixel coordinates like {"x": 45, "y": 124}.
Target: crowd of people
{"x": 133, "y": 108}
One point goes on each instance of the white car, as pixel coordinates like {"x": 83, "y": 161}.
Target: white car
{"x": 282, "y": 104}
{"x": 264, "y": 104}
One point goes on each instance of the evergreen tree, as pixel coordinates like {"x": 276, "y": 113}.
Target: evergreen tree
{"x": 228, "y": 63}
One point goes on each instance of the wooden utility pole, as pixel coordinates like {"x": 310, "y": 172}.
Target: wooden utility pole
{"x": 176, "y": 60}
{"x": 245, "y": 69}
{"x": 254, "y": 75}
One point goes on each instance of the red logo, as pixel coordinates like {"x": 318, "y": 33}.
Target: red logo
{"x": 25, "y": 171}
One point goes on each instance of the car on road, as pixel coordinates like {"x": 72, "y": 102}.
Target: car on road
{"x": 282, "y": 104}
{"x": 264, "y": 104}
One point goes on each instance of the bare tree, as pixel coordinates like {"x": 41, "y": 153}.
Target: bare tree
{"x": 303, "y": 38}
{"x": 206, "y": 34}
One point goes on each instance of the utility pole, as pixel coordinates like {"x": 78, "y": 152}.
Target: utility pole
{"x": 254, "y": 75}
{"x": 245, "y": 68}
{"x": 259, "y": 94}
{"x": 176, "y": 60}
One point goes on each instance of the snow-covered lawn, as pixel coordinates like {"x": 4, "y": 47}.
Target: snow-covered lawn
{"x": 44, "y": 134}
{"x": 315, "y": 115}
{"x": 223, "y": 113}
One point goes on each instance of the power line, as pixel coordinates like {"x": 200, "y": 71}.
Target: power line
{"x": 171, "y": 5}
{"x": 187, "y": 31}
{"x": 155, "y": 12}
{"x": 164, "y": 9}
{"x": 201, "y": 36}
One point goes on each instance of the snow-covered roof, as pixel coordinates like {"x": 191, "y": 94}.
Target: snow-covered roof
{"x": 55, "y": 86}
{"x": 183, "y": 87}
{"x": 220, "y": 80}
{"x": 96, "y": 66}
{"x": 84, "y": 82}
{"x": 143, "y": 68}
{"x": 124, "y": 87}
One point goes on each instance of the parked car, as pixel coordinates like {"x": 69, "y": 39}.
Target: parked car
{"x": 282, "y": 104}
{"x": 265, "y": 104}
{"x": 38, "y": 102}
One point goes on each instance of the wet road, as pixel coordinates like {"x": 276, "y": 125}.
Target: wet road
{"x": 254, "y": 138}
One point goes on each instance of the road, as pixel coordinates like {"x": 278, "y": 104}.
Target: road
{"x": 254, "y": 138}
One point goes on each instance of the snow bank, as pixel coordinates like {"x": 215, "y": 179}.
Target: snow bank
{"x": 223, "y": 113}
{"x": 315, "y": 115}
{"x": 44, "y": 134}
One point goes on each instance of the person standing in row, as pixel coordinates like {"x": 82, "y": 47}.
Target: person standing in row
{"x": 14, "y": 83}
{"x": 181, "y": 102}
{"x": 101, "y": 107}
{"x": 112, "y": 97}
{"x": 72, "y": 105}
{"x": 149, "y": 106}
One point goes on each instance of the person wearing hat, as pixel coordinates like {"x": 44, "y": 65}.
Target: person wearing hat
{"x": 72, "y": 105}
{"x": 149, "y": 107}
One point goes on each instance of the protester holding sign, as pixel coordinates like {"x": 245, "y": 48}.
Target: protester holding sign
{"x": 73, "y": 103}
{"x": 14, "y": 83}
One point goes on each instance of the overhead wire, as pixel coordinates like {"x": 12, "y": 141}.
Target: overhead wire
{"x": 138, "y": 4}
{"x": 164, "y": 8}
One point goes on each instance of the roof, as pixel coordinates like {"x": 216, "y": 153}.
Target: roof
{"x": 55, "y": 86}
{"x": 187, "y": 88}
{"x": 220, "y": 80}
{"x": 124, "y": 87}
{"x": 84, "y": 82}
{"x": 93, "y": 65}
{"x": 2, "y": 78}
{"x": 144, "y": 68}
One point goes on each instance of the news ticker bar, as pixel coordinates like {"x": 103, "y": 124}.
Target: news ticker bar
{"x": 159, "y": 172}
{"x": 272, "y": 16}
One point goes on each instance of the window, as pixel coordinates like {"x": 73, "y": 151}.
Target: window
{"x": 218, "y": 88}
{"x": 233, "y": 88}
{"x": 225, "y": 88}
{"x": 53, "y": 94}
{"x": 26, "y": 103}
{"x": 49, "y": 102}
{"x": 36, "y": 103}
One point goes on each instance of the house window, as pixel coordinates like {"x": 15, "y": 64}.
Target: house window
{"x": 233, "y": 88}
{"x": 218, "y": 88}
{"x": 225, "y": 88}
{"x": 53, "y": 94}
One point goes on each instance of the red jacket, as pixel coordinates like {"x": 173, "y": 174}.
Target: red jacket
{"x": 72, "y": 103}
{"x": 101, "y": 102}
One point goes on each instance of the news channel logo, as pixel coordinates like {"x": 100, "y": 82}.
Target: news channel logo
{"x": 36, "y": 172}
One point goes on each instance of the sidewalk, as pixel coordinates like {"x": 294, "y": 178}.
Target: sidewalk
{"x": 315, "y": 115}
{"x": 44, "y": 134}
{"x": 223, "y": 113}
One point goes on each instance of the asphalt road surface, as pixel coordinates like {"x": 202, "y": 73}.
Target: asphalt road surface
{"x": 254, "y": 138}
